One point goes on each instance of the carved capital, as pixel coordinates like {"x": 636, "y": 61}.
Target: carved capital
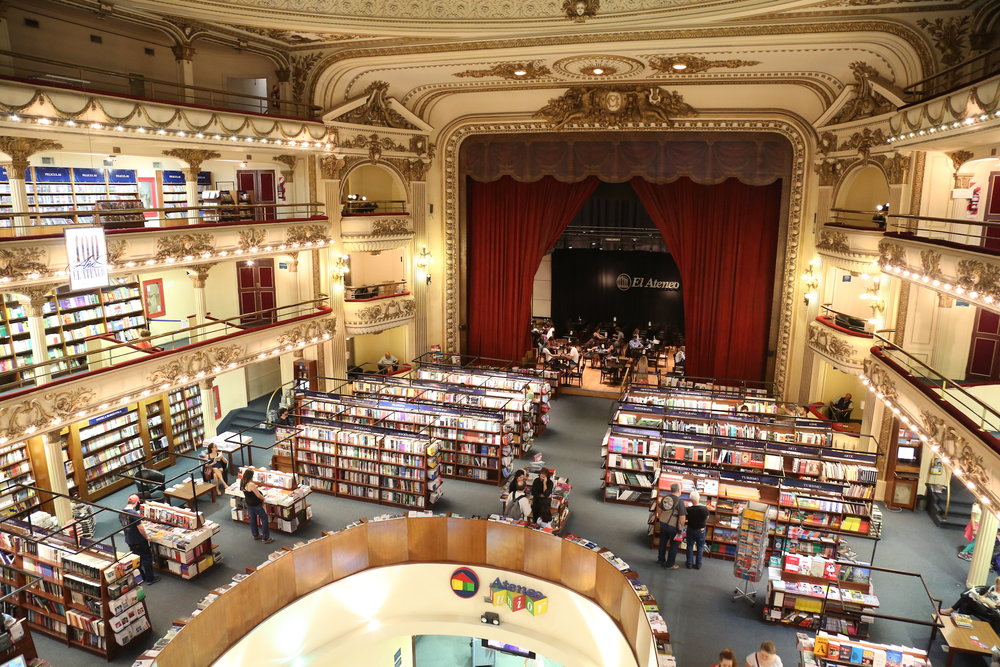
{"x": 412, "y": 170}
{"x": 331, "y": 167}
{"x": 289, "y": 161}
{"x": 183, "y": 51}
{"x": 33, "y": 298}
{"x": 963, "y": 180}
{"x": 193, "y": 157}
{"x": 958, "y": 158}
{"x": 20, "y": 149}
{"x": 829, "y": 172}
{"x": 199, "y": 274}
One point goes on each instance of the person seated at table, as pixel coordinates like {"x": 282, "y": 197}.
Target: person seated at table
{"x": 573, "y": 355}
{"x": 216, "y": 466}
{"x": 635, "y": 347}
{"x": 981, "y": 602}
{"x": 546, "y": 354}
{"x": 840, "y": 410}
{"x": 680, "y": 359}
{"x": 388, "y": 364}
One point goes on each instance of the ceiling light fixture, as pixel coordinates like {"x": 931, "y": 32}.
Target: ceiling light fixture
{"x": 520, "y": 72}
{"x": 679, "y": 66}
{"x": 597, "y": 71}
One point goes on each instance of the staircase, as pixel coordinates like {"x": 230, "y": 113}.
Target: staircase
{"x": 248, "y": 418}
{"x": 959, "y": 510}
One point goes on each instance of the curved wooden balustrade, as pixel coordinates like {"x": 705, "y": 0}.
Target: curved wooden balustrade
{"x": 472, "y": 542}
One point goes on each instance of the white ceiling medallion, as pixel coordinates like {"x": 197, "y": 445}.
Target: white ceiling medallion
{"x": 597, "y": 67}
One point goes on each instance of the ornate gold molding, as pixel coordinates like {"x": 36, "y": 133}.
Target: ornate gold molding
{"x": 981, "y": 277}
{"x": 34, "y": 414}
{"x": 930, "y": 262}
{"x": 390, "y": 227}
{"x": 865, "y": 102}
{"x": 301, "y": 67}
{"x": 829, "y": 172}
{"x": 834, "y": 241}
{"x": 19, "y": 262}
{"x": 896, "y": 167}
{"x": 36, "y": 298}
{"x": 289, "y": 161}
{"x": 579, "y": 11}
{"x": 957, "y": 448}
{"x": 252, "y": 238}
{"x": 375, "y": 145}
{"x": 864, "y": 141}
{"x": 950, "y": 36}
{"x": 184, "y": 245}
{"x": 116, "y": 250}
{"x": 211, "y": 360}
{"x": 183, "y": 51}
{"x": 200, "y": 275}
{"x": 376, "y": 110}
{"x": 192, "y": 157}
{"x": 531, "y": 69}
{"x": 302, "y": 234}
{"x": 20, "y": 149}
{"x": 694, "y": 64}
{"x": 615, "y": 106}
{"x": 331, "y": 167}
{"x": 386, "y": 310}
{"x": 310, "y": 332}
{"x": 789, "y": 277}
{"x": 412, "y": 170}
{"x": 881, "y": 381}
{"x": 828, "y": 343}
{"x": 891, "y": 254}
{"x": 958, "y": 158}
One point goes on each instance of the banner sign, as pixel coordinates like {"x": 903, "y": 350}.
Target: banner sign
{"x": 88, "y": 175}
{"x": 122, "y": 177}
{"x": 87, "y": 256}
{"x": 51, "y": 174}
{"x": 173, "y": 177}
{"x": 517, "y": 598}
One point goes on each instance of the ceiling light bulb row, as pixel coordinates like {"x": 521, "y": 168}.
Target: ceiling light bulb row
{"x": 933, "y": 445}
{"x": 952, "y": 289}
{"x": 944, "y": 127}
{"x": 182, "y": 134}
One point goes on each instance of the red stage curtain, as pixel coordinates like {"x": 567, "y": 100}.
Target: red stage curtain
{"x": 724, "y": 239}
{"x": 510, "y": 227}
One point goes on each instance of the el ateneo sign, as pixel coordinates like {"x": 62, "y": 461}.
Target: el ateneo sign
{"x": 87, "y": 256}
{"x": 625, "y": 282}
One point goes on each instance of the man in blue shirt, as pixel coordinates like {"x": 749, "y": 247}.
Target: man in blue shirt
{"x": 136, "y": 539}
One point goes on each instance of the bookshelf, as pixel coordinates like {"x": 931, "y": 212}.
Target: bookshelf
{"x": 6, "y": 204}
{"x": 806, "y": 591}
{"x": 535, "y": 389}
{"x": 181, "y": 539}
{"x": 110, "y": 445}
{"x": 53, "y": 189}
{"x": 474, "y": 444}
{"x": 92, "y": 600}
{"x": 516, "y": 405}
{"x": 15, "y": 468}
{"x": 173, "y": 191}
{"x": 284, "y": 499}
{"x": 631, "y": 458}
{"x": 154, "y": 432}
{"x": 284, "y": 440}
{"x": 15, "y": 337}
{"x": 50, "y": 190}
{"x": 187, "y": 422}
{"x": 561, "y": 489}
{"x": 382, "y": 465}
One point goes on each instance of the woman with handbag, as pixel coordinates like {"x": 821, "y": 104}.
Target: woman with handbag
{"x": 215, "y": 468}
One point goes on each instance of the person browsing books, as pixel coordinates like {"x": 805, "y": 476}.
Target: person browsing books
{"x": 541, "y": 496}
{"x": 697, "y": 518}
{"x": 136, "y": 538}
{"x": 254, "y": 499}
{"x": 518, "y": 505}
{"x": 727, "y": 658}
{"x": 671, "y": 514}
{"x": 765, "y": 656}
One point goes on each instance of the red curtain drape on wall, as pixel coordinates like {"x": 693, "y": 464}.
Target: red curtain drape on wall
{"x": 724, "y": 239}
{"x": 510, "y": 226}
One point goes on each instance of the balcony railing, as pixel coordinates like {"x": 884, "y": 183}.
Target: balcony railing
{"x": 969, "y": 71}
{"x": 958, "y": 232}
{"x": 52, "y": 223}
{"x": 373, "y": 292}
{"x": 34, "y": 69}
{"x": 848, "y": 324}
{"x": 104, "y": 350}
{"x": 373, "y": 207}
{"x": 959, "y": 401}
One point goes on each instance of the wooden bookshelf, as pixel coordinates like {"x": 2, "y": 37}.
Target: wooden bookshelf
{"x": 631, "y": 458}
{"x": 173, "y": 191}
{"x": 181, "y": 539}
{"x": 474, "y": 443}
{"x": 53, "y": 189}
{"x": 16, "y": 468}
{"x": 187, "y": 421}
{"x": 382, "y": 465}
{"x": 15, "y": 337}
{"x": 153, "y": 428}
{"x": 92, "y": 600}
{"x": 284, "y": 499}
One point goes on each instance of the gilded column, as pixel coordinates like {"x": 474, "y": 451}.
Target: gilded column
{"x": 33, "y": 300}
{"x": 982, "y": 553}
{"x": 199, "y": 276}
{"x": 57, "y": 476}
{"x": 20, "y": 149}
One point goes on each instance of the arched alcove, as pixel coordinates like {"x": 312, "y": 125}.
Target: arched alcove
{"x": 863, "y": 189}
{"x": 376, "y": 182}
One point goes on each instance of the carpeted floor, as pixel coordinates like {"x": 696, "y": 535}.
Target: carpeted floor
{"x": 697, "y": 605}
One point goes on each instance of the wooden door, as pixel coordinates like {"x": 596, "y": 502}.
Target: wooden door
{"x": 261, "y": 183}
{"x": 984, "y": 348}
{"x": 256, "y": 293}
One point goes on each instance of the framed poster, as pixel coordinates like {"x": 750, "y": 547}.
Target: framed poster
{"x": 152, "y": 298}
{"x": 216, "y": 402}
{"x": 87, "y": 255}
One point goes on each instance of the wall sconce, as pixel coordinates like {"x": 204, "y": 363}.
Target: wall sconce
{"x": 810, "y": 281}
{"x": 873, "y": 296}
{"x": 424, "y": 261}
{"x": 341, "y": 267}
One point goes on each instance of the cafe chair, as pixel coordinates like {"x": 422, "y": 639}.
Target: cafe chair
{"x": 607, "y": 374}
{"x": 575, "y": 375}
{"x": 149, "y": 485}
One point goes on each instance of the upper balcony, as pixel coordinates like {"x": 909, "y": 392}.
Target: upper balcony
{"x": 840, "y": 339}
{"x": 38, "y": 254}
{"x": 374, "y": 308}
{"x": 33, "y": 70}
{"x": 110, "y": 373}
{"x": 850, "y": 241}
{"x": 959, "y": 427}
{"x": 372, "y": 226}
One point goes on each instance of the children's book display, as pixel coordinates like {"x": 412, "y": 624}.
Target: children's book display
{"x": 751, "y": 547}
{"x": 284, "y": 499}
{"x": 560, "y": 493}
{"x": 821, "y": 594}
{"x": 181, "y": 539}
{"x": 835, "y": 650}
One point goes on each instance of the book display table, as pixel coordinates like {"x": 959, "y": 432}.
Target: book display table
{"x": 181, "y": 539}
{"x": 832, "y": 650}
{"x": 284, "y": 499}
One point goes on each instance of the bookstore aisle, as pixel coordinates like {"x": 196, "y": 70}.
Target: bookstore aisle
{"x": 696, "y": 603}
